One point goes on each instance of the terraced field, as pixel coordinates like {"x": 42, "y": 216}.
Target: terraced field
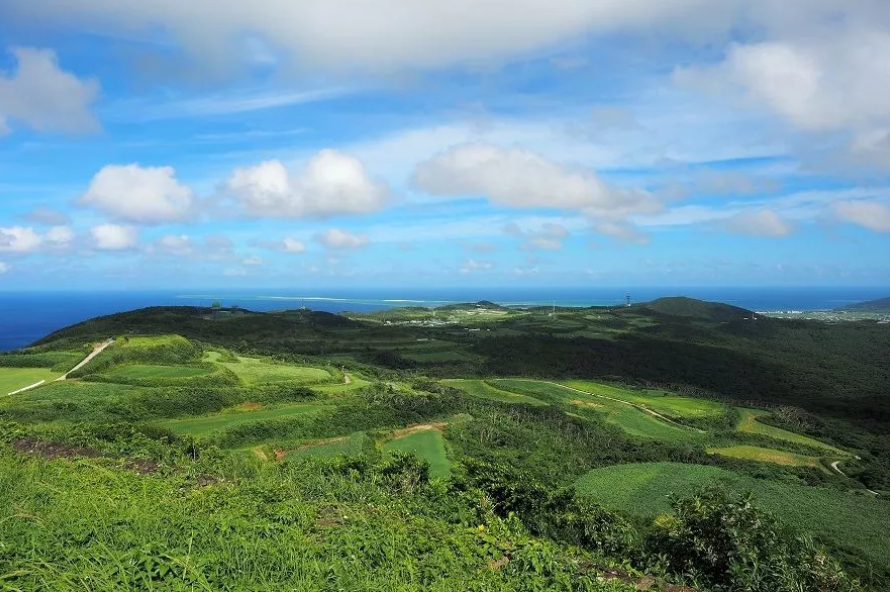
{"x": 201, "y": 426}
{"x": 857, "y": 521}
{"x": 426, "y": 444}
{"x": 660, "y": 401}
{"x": 257, "y": 371}
{"x": 748, "y": 423}
{"x": 13, "y": 379}
{"x": 630, "y": 419}
{"x": 344, "y": 446}
{"x": 484, "y": 390}
{"x": 779, "y": 457}
{"x": 144, "y": 371}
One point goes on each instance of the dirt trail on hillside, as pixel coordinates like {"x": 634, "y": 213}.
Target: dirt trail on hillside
{"x": 634, "y": 405}
{"x": 96, "y": 351}
{"x": 347, "y": 379}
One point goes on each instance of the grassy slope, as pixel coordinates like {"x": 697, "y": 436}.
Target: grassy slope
{"x": 849, "y": 519}
{"x": 345, "y": 446}
{"x": 669, "y": 405}
{"x": 428, "y": 445}
{"x": 779, "y": 457}
{"x": 13, "y": 379}
{"x": 201, "y": 426}
{"x": 484, "y": 390}
{"x": 748, "y": 423}
{"x": 257, "y": 371}
{"x": 144, "y": 371}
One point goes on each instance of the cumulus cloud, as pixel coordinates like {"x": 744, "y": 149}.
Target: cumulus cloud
{"x": 175, "y": 244}
{"x": 39, "y": 95}
{"x": 142, "y": 195}
{"x": 292, "y": 245}
{"x": 332, "y": 183}
{"x": 112, "y": 237}
{"x": 548, "y": 237}
{"x": 336, "y": 238}
{"x": 20, "y": 239}
{"x": 621, "y": 230}
{"x": 519, "y": 178}
{"x": 47, "y": 216}
{"x": 868, "y": 214}
{"x": 762, "y": 223}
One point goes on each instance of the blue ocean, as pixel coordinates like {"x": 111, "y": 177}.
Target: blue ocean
{"x": 28, "y": 316}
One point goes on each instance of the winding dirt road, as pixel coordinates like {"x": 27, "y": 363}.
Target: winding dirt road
{"x": 96, "y": 351}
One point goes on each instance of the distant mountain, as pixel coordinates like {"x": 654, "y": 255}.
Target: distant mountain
{"x": 698, "y": 309}
{"x": 880, "y": 305}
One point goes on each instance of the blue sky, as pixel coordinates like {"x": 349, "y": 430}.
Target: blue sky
{"x": 350, "y": 143}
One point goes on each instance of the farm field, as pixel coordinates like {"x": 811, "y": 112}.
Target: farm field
{"x": 666, "y": 404}
{"x": 13, "y": 379}
{"x": 345, "y": 446}
{"x": 484, "y": 390}
{"x": 201, "y": 426}
{"x": 748, "y": 423}
{"x": 851, "y": 519}
{"x": 341, "y": 387}
{"x": 428, "y": 445}
{"x": 145, "y": 371}
{"x": 630, "y": 419}
{"x": 779, "y": 457}
{"x": 257, "y": 371}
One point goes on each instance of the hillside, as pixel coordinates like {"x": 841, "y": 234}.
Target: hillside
{"x": 698, "y": 309}
{"x": 361, "y": 452}
{"x": 882, "y": 305}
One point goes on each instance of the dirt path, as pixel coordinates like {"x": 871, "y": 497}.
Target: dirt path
{"x": 634, "y": 405}
{"x": 835, "y": 466}
{"x": 347, "y": 379}
{"x": 96, "y": 351}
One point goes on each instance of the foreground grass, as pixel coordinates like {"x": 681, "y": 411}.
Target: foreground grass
{"x": 779, "y": 457}
{"x": 13, "y": 379}
{"x": 846, "y": 519}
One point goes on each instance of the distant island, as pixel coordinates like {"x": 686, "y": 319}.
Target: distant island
{"x": 881, "y": 305}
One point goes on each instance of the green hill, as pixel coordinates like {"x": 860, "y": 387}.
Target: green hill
{"x": 680, "y": 306}
{"x": 880, "y": 305}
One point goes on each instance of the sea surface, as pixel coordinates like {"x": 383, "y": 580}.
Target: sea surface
{"x": 27, "y": 316}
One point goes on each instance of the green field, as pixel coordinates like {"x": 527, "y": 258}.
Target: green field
{"x": 75, "y": 391}
{"x": 850, "y": 519}
{"x": 341, "y": 387}
{"x": 630, "y": 419}
{"x": 145, "y": 371}
{"x": 13, "y": 379}
{"x": 484, "y": 390}
{"x": 258, "y": 371}
{"x": 779, "y": 457}
{"x": 201, "y": 426}
{"x": 344, "y": 446}
{"x": 664, "y": 403}
{"x": 748, "y": 423}
{"x": 428, "y": 445}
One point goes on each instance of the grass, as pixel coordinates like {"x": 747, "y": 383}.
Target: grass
{"x": 660, "y": 401}
{"x": 630, "y": 419}
{"x": 848, "y": 519}
{"x": 779, "y": 457}
{"x": 484, "y": 390}
{"x": 13, "y": 379}
{"x": 257, "y": 371}
{"x": 75, "y": 391}
{"x": 428, "y": 445}
{"x": 748, "y": 423}
{"x": 344, "y": 446}
{"x": 201, "y": 426}
{"x": 342, "y": 387}
{"x": 144, "y": 371}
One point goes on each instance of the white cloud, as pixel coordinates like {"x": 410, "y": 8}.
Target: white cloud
{"x": 548, "y": 236}
{"x": 471, "y": 265}
{"x": 621, "y": 230}
{"x": 175, "y": 244}
{"x": 47, "y": 216}
{"x": 112, "y": 237}
{"x": 144, "y": 195}
{"x": 868, "y": 214}
{"x": 59, "y": 235}
{"x": 763, "y": 223}
{"x": 332, "y": 183}
{"x": 292, "y": 245}
{"x": 336, "y": 238}
{"x": 18, "y": 239}
{"x": 4, "y": 267}
{"x": 524, "y": 179}
{"x": 43, "y": 97}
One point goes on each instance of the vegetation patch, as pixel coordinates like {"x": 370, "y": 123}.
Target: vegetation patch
{"x": 661, "y": 401}
{"x": 258, "y": 371}
{"x": 343, "y": 446}
{"x": 201, "y": 426}
{"x": 13, "y": 379}
{"x": 426, "y": 444}
{"x": 779, "y": 457}
{"x": 748, "y": 423}
{"x": 484, "y": 390}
